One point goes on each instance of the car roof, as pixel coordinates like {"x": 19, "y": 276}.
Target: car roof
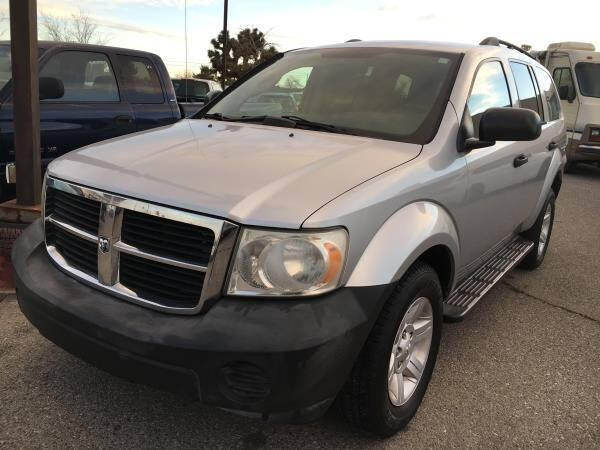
{"x": 47, "y": 45}
{"x": 446, "y": 47}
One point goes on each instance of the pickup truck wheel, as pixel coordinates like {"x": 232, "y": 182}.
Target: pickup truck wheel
{"x": 392, "y": 372}
{"x": 540, "y": 234}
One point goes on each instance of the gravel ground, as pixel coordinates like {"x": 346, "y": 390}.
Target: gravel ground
{"x": 523, "y": 369}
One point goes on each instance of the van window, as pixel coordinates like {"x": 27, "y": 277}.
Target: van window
{"x": 549, "y": 92}
{"x": 588, "y": 76}
{"x": 86, "y": 76}
{"x": 141, "y": 77}
{"x": 489, "y": 91}
{"x": 528, "y": 97}
{"x": 564, "y": 78}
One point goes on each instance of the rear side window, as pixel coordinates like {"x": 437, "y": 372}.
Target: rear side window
{"x": 142, "y": 80}
{"x": 563, "y": 77}
{"x": 528, "y": 97}
{"x": 86, "y": 76}
{"x": 549, "y": 92}
{"x": 489, "y": 91}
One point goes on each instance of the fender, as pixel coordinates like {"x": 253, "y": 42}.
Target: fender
{"x": 406, "y": 235}
{"x": 558, "y": 161}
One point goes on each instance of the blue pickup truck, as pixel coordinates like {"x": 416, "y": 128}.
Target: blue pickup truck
{"x": 88, "y": 93}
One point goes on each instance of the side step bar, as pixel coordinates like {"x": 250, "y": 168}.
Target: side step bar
{"x": 470, "y": 291}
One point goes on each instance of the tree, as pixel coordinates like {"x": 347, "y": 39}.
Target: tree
{"x": 244, "y": 52}
{"x": 78, "y": 28}
{"x": 206, "y": 73}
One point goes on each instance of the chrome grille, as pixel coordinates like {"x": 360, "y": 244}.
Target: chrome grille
{"x": 163, "y": 258}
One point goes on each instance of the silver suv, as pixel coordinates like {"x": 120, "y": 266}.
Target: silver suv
{"x": 269, "y": 261}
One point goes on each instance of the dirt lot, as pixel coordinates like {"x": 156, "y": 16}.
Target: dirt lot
{"x": 523, "y": 370}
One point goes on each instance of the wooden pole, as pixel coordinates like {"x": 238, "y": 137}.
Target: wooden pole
{"x": 26, "y": 100}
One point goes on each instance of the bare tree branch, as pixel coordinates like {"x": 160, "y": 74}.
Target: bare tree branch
{"x": 78, "y": 28}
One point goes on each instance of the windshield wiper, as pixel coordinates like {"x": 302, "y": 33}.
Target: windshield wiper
{"x": 214, "y": 116}
{"x": 319, "y": 126}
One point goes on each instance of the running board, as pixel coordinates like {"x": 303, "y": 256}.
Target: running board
{"x": 470, "y": 291}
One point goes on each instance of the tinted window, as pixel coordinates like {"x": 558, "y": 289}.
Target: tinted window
{"x": 489, "y": 91}
{"x": 190, "y": 88}
{"x": 564, "y": 79}
{"x": 588, "y": 76}
{"x": 549, "y": 92}
{"x": 142, "y": 80}
{"x": 528, "y": 97}
{"x": 5, "y": 65}
{"x": 86, "y": 76}
{"x": 387, "y": 93}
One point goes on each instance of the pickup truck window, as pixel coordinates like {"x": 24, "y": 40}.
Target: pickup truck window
{"x": 489, "y": 90}
{"x": 549, "y": 91}
{"x": 386, "y": 93}
{"x": 86, "y": 76}
{"x": 190, "y": 88}
{"x": 588, "y": 75}
{"x": 525, "y": 88}
{"x": 142, "y": 80}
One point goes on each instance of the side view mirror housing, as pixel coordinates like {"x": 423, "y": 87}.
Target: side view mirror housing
{"x": 499, "y": 124}
{"x": 51, "y": 88}
{"x": 565, "y": 93}
{"x": 510, "y": 124}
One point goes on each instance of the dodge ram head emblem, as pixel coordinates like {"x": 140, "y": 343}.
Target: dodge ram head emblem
{"x": 103, "y": 245}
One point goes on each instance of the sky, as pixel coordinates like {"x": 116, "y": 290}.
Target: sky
{"x": 159, "y": 25}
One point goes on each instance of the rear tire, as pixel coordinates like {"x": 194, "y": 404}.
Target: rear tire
{"x": 391, "y": 374}
{"x": 540, "y": 234}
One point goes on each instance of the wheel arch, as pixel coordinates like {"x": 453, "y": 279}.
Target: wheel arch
{"x": 420, "y": 231}
{"x": 557, "y": 183}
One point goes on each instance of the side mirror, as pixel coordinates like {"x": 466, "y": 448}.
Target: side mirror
{"x": 566, "y": 93}
{"x": 212, "y": 95}
{"x": 510, "y": 124}
{"x": 51, "y": 88}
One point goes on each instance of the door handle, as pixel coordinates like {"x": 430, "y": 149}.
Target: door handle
{"x": 520, "y": 160}
{"x": 552, "y": 146}
{"x": 124, "y": 120}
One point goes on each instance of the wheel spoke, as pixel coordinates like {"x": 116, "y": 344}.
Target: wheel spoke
{"x": 400, "y": 388}
{"x": 415, "y": 368}
{"x": 392, "y": 367}
{"x": 423, "y": 330}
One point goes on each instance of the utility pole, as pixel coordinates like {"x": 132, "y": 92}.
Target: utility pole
{"x": 225, "y": 44}
{"x": 26, "y": 100}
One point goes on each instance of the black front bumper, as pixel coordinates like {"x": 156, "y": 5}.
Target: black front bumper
{"x": 281, "y": 360}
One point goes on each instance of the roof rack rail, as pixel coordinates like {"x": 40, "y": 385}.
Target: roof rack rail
{"x": 354, "y": 40}
{"x": 497, "y": 42}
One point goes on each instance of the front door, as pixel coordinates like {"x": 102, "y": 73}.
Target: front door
{"x": 494, "y": 182}
{"x": 562, "y": 72}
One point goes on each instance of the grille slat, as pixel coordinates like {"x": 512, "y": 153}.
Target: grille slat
{"x": 155, "y": 281}
{"x": 78, "y": 252}
{"x": 78, "y": 211}
{"x": 167, "y": 238}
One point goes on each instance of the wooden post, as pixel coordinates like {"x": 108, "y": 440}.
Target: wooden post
{"x": 26, "y": 100}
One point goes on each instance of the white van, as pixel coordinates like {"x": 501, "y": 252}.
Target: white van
{"x": 575, "y": 67}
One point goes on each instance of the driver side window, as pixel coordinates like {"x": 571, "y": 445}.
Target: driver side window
{"x": 490, "y": 90}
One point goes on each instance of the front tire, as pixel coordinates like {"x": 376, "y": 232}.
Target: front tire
{"x": 390, "y": 377}
{"x": 540, "y": 234}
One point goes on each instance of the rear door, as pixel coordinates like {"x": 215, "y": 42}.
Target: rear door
{"x": 145, "y": 91}
{"x": 537, "y": 152}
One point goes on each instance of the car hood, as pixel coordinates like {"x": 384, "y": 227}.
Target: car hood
{"x": 248, "y": 173}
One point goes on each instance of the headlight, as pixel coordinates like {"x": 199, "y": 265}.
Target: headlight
{"x": 274, "y": 263}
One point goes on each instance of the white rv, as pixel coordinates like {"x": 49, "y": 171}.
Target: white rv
{"x": 575, "y": 68}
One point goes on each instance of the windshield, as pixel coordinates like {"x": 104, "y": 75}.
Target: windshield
{"x": 387, "y": 93}
{"x": 193, "y": 88}
{"x": 5, "y": 66}
{"x": 588, "y": 76}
